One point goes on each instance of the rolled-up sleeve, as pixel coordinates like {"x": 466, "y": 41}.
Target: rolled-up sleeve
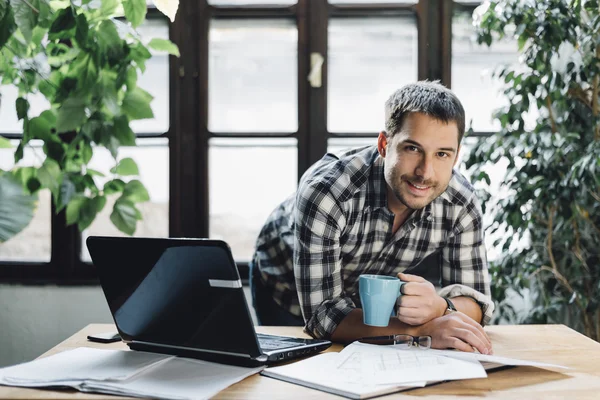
{"x": 465, "y": 266}
{"x": 317, "y": 265}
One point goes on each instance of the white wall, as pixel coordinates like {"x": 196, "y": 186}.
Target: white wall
{"x": 34, "y": 319}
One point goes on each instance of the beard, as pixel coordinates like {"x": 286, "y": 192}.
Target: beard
{"x": 402, "y": 191}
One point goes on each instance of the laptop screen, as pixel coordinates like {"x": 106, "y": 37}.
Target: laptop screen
{"x": 176, "y": 292}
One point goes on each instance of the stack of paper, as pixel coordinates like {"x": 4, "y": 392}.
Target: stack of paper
{"x": 131, "y": 373}
{"x": 361, "y": 371}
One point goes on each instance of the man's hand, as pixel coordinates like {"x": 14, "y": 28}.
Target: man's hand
{"x": 457, "y": 331}
{"x": 419, "y": 302}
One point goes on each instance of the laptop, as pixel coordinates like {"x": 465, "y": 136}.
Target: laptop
{"x": 184, "y": 297}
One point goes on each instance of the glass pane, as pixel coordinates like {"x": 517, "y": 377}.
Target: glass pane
{"x": 32, "y": 243}
{"x": 155, "y": 80}
{"x": 369, "y": 58}
{"x": 152, "y": 158}
{"x": 251, "y": 2}
{"x": 339, "y": 145}
{"x": 248, "y": 179}
{"x": 472, "y": 68}
{"x": 8, "y": 111}
{"x": 253, "y": 73}
{"x": 367, "y": 2}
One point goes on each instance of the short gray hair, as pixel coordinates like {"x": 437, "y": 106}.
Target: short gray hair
{"x": 430, "y": 98}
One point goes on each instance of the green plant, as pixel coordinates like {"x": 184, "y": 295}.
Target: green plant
{"x": 85, "y": 61}
{"x": 551, "y": 211}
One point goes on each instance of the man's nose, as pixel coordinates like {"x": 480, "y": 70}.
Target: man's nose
{"x": 425, "y": 168}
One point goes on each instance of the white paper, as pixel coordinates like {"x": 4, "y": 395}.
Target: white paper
{"x": 388, "y": 364}
{"x": 177, "y": 378}
{"x": 129, "y": 373}
{"x": 492, "y": 359}
{"x": 322, "y": 372}
{"x": 82, "y": 363}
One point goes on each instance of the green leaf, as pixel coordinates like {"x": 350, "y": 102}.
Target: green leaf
{"x": 131, "y": 78}
{"x": 16, "y": 207}
{"x": 126, "y": 167}
{"x": 71, "y": 115}
{"x": 123, "y": 132}
{"x": 63, "y": 25}
{"x": 136, "y": 104}
{"x": 5, "y": 143}
{"x": 73, "y": 208}
{"x": 66, "y": 192}
{"x": 108, "y": 7}
{"x": 109, "y": 42}
{"x": 41, "y": 127}
{"x": 49, "y": 175}
{"x": 125, "y": 216}
{"x": 107, "y": 90}
{"x": 25, "y": 16}
{"x": 19, "y": 151}
{"x": 87, "y": 214}
{"x": 24, "y": 174}
{"x": 7, "y": 27}
{"x": 22, "y": 106}
{"x": 135, "y": 11}
{"x": 93, "y": 172}
{"x": 136, "y": 192}
{"x": 81, "y": 30}
{"x": 114, "y": 186}
{"x": 164, "y": 45}
{"x": 3, "y": 8}
{"x": 99, "y": 202}
{"x": 86, "y": 72}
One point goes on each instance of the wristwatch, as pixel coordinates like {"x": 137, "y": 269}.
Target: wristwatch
{"x": 450, "y": 306}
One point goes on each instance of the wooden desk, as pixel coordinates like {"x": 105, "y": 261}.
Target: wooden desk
{"x": 556, "y": 344}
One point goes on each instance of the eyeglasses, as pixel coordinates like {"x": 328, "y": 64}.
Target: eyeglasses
{"x": 403, "y": 341}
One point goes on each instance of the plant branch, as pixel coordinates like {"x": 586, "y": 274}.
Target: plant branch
{"x": 580, "y": 94}
{"x": 31, "y": 6}
{"x": 577, "y": 250}
{"x": 560, "y": 277}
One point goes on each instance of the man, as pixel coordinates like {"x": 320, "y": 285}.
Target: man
{"x": 381, "y": 210}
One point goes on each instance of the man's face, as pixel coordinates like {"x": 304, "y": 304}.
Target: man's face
{"x": 419, "y": 159}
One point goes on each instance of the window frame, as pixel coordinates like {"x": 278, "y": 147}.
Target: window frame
{"x": 188, "y": 132}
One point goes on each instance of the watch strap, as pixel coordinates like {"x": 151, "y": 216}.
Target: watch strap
{"x": 450, "y": 305}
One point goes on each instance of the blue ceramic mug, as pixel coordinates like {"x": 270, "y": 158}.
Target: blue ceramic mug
{"x": 378, "y": 295}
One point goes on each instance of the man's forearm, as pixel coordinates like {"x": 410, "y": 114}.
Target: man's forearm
{"x": 352, "y": 328}
{"x": 468, "y": 306}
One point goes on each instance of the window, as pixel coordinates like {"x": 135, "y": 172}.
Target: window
{"x": 237, "y": 121}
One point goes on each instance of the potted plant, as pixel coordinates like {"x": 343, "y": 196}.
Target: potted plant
{"x": 85, "y": 60}
{"x": 550, "y": 214}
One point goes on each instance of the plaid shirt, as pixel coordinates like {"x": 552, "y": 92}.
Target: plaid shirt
{"x": 337, "y": 226}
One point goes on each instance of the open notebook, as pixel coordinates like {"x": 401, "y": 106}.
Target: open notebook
{"x": 362, "y": 371}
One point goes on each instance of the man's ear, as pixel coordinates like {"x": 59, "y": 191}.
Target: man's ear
{"x": 457, "y": 156}
{"x": 382, "y": 142}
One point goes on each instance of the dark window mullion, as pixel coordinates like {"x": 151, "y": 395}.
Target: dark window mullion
{"x": 65, "y": 245}
{"x": 318, "y": 20}
{"x": 188, "y": 142}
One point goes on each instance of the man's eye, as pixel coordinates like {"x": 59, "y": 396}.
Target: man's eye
{"x": 412, "y": 148}
{"x": 441, "y": 154}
